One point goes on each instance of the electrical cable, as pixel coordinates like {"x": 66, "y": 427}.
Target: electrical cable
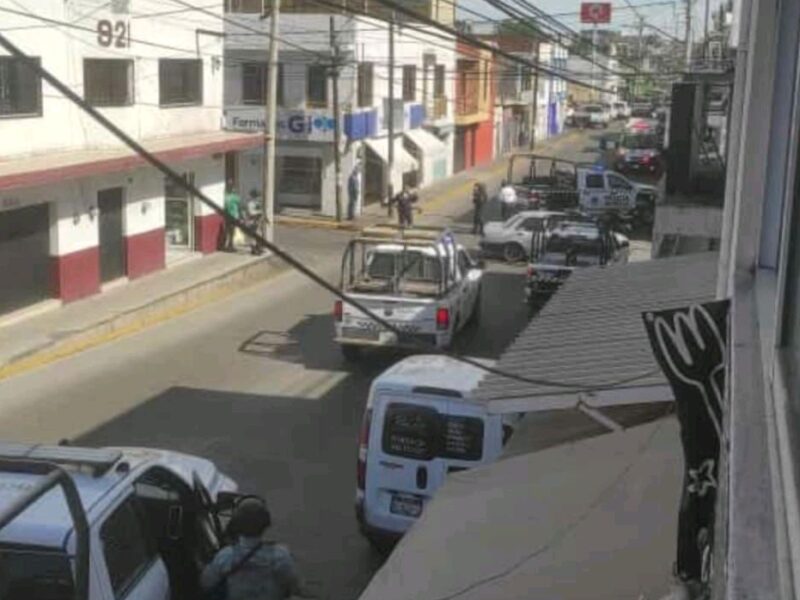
{"x": 287, "y": 257}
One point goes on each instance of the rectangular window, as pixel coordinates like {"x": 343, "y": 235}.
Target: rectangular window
{"x": 527, "y": 79}
{"x": 108, "y": 82}
{"x": 409, "y": 83}
{"x": 180, "y": 81}
{"x": 20, "y": 88}
{"x": 245, "y": 6}
{"x": 27, "y": 573}
{"x": 127, "y": 551}
{"x": 438, "y": 81}
{"x": 300, "y": 175}
{"x": 317, "y": 86}
{"x": 595, "y": 182}
{"x": 485, "y": 80}
{"x": 366, "y": 73}
{"x": 254, "y": 83}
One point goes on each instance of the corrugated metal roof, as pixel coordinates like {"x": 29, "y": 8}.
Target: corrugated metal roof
{"x": 591, "y": 334}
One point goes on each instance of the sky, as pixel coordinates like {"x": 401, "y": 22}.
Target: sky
{"x": 663, "y": 16}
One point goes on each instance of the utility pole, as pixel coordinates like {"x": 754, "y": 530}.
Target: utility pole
{"x": 640, "y": 54}
{"x": 390, "y": 162}
{"x": 705, "y": 32}
{"x": 594, "y": 56}
{"x": 270, "y": 124}
{"x": 535, "y": 103}
{"x": 337, "y": 129}
{"x": 688, "y": 35}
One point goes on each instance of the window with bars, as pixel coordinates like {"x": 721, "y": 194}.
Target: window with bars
{"x": 254, "y": 82}
{"x": 409, "y": 83}
{"x": 438, "y": 81}
{"x": 366, "y": 78}
{"x": 108, "y": 82}
{"x": 20, "y": 88}
{"x": 317, "y": 86}
{"x": 180, "y": 81}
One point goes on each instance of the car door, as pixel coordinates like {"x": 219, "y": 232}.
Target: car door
{"x": 470, "y": 284}
{"x": 593, "y": 192}
{"x": 619, "y": 192}
{"x": 132, "y": 566}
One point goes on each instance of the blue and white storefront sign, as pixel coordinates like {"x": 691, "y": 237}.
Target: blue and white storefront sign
{"x": 295, "y": 125}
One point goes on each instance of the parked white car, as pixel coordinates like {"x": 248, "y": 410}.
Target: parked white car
{"x": 420, "y": 280}
{"x": 420, "y": 424}
{"x": 621, "y": 110}
{"x": 511, "y": 239}
{"x": 127, "y": 522}
{"x": 592, "y": 115}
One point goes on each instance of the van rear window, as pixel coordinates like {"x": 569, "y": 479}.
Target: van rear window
{"x": 422, "y": 433}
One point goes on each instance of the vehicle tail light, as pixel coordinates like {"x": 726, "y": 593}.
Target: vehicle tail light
{"x": 363, "y": 444}
{"x": 646, "y": 160}
{"x": 338, "y": 310}
{"x": 531, "y": 271}
{"x": 443, "y": 318}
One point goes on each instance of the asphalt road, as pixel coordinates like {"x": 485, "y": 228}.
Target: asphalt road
{"x": 255, "y": 384}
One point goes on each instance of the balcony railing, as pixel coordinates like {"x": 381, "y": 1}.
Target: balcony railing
{"x": 467, "y": 105}
{"x": 438, "y": 108}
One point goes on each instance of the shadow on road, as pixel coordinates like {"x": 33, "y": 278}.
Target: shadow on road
{"x": 299, "y": 454}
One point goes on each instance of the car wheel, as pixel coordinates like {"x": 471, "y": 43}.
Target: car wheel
{"x": 513, "y": 252}
{"x": 351, "y": 353}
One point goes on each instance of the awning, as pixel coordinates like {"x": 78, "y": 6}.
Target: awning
{"x": 402, "y": 159}
{"x": 593, "y": 519}
{"x": 591, "y": 334}
{"x": 55, "y": 167}
{"x": 427, "y": 142}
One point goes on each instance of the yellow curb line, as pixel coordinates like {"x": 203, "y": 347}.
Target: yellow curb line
{"x": 81, "y": 343}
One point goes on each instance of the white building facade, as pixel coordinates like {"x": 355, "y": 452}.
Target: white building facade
{"x": 305, "y": 168}
{"x": 79, "y": 210}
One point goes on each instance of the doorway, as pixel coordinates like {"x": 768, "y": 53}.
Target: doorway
{"x": 179, "y": 219}
{"x": 112, "y": 240}
{"x": 24, "y": 257}
{"x": 373, "y": 177}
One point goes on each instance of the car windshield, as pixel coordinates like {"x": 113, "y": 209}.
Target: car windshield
{"x": 34, "y": 574}
{"x": 639, "y": 142}
{"x": 593, "y": 109}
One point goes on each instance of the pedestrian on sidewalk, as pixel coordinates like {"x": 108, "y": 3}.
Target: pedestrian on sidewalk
{"x": 233, "y": 208}
{"x": 479, "y": 198}
{"x": 251, "y": 568}
{"x": 404, "y": 202}
{"x": 253, "y": 216}
{"x": 353, "y": 192}
{"x": 508, "y": 199}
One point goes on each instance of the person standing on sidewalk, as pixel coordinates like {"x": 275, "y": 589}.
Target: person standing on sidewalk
{"x": 233, "y": 208}
{"x": 404, "y": 204}
{"x": 479, "y": 197}
{"x": 508, "y": 199}
{"x": 353, "y": 191}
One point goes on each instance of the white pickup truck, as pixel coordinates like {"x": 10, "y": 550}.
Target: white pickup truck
{"x": 420, "y": 280}
{"x": 108, "y": 523}
{"x": 601, "y": 191}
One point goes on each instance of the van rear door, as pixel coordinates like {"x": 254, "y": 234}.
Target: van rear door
{"x": 403, "y": 463}
{"x": 414, "y": 443}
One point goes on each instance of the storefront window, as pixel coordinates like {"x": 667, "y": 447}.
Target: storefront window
{"x": 178, "y": 214}
{"x": 300, "y": 175}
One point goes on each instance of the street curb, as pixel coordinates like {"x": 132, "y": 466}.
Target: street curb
{"x": 317, "y": 223}
{"x": 154, "y": 312}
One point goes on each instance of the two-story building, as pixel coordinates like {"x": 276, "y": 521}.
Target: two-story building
{"x": 312, "y": 40}
{"x": 474, "y": 115}
{"x": 78, "y": 209}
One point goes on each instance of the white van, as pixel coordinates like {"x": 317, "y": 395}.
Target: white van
{"x": 419, "y": 425}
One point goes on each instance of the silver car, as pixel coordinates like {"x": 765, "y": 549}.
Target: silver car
{"x": 512, "y": 239}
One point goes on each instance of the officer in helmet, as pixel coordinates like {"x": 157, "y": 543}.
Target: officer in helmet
{"x": 251, "y": 568}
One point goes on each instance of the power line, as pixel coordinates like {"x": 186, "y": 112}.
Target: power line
{"x": 287, "y": 257}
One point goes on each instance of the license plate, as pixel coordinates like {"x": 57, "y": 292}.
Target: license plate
{"x": 360, "y": 334}
{"x": 406, "y": 505}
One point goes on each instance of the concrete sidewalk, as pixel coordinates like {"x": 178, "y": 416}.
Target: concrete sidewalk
{"x": 28, "y": 341}
{"x": 432, "y": 198}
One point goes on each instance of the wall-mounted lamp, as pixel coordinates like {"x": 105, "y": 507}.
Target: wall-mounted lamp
{"x": 145, "y": 207}
{"x": 92, "y": 212}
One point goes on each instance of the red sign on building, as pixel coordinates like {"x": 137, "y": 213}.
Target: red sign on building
{"x": 595, "y": 12}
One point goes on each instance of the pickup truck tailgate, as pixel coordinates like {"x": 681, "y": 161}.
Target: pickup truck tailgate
{"x": 410, "y": 316}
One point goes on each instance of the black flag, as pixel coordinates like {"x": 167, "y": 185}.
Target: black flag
{"x": 690, "y": 345}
